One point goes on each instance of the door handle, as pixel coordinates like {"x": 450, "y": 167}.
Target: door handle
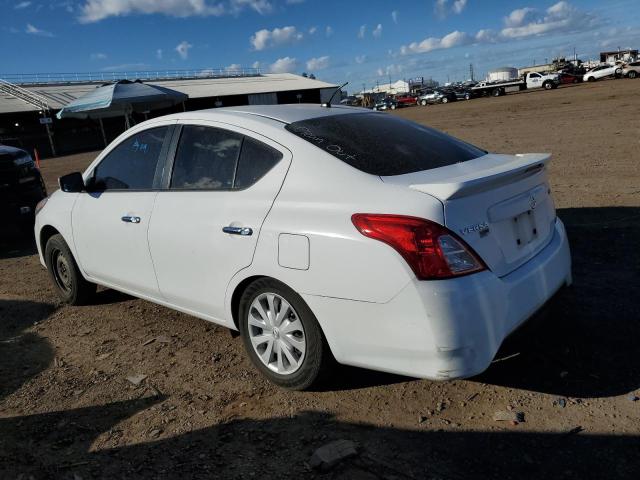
{"x": 130, "y": 219}
{"x": 243, "y": 231}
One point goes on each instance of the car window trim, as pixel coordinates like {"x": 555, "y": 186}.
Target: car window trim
{"x": 160, "y": 166}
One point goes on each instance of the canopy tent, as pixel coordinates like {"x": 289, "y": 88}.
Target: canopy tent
{"x": 121, "y": 99}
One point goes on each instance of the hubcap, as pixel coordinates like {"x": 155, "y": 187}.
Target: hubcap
{"x": 276, "y": 333}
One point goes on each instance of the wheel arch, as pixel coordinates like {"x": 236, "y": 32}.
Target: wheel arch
{"x": 46, "y": 232}
{"x": 237, "y": 295}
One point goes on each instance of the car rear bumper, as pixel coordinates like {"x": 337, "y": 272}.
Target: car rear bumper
{"x": 443, "y": 329}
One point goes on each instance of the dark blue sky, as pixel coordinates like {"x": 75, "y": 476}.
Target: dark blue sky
{"x": 359, "y": 41}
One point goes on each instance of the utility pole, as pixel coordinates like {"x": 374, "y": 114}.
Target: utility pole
{"x": 471, "y": 72}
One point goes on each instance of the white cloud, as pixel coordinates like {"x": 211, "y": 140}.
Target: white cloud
{"x": 362, "y": 31}
{"x": 98, "y": 56}
{"x": 32, "y": 30}
{"x": 256, "y": 64}
{"x": 294, "y": 2}
{"x": 21, "y": 5}
{"x": 458, "y": 6}
{"x": 360, "y": 59}
{"x": 318, "y": 63}
{"x": 159, "y": 54}
{"x": 328, "y": 31}
{"x": 264, "y": 38}
{"x": 442, "y": 8}
{"x": 284, "y": 65}
{"x": 560, "y": 17}
{"x": 390, "y": 70}
{"x": 126, "y": 66}
{"x": 183, "y": 49}
{"x": 394, "y": 16}
{"x": 234, "y": 67}
{"x": 486, "y": 36}
{"x": 313, "y": 30}
{"x": 453, "y": 39}
{"x": 96, "y": 10}
{"x": 261, "y": 6}
{"x": 377, "y": 32}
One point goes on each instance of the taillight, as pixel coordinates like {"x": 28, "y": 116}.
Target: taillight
{"x": 431, "y": 250}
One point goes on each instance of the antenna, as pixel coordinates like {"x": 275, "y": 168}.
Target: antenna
{"x": 328, "y": 104}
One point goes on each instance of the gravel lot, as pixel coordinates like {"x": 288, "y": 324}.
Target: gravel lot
{"x": 67, "y": 409}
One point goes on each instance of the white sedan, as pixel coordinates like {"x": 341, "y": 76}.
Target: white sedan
{"x": 602, "y": 71}
{"x": 317, "y": 233}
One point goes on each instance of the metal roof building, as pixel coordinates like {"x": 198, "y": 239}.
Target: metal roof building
{"x": 28, "y": 102}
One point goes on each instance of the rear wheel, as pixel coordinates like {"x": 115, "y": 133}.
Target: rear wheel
{"x": 591, "y": 79}
{"x": 445, "y": 100}
{"x": 423, "y": 103}
{"x": 547, "y": 85}
{"x": 63, "y": 269}
{"x": 496, "y": 92}
{"x": 632, "y": 74}
{"x": 393, "y": 107}
{"x": 467, "y": 96}
{"x": 282, "y": 336}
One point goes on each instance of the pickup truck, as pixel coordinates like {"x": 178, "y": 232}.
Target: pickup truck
{"x": 529, "y": 81}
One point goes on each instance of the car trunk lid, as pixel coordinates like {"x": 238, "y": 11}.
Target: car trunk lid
{"x": 499, "y": 204}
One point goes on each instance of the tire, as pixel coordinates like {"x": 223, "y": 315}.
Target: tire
{"x": 316, "y": 359}
{"x": 393, "y": 107}
{"x": 632, "y": 74}
{"x": 547, "y": 85}
{"x": 423, "y": 103}
{"x": 575, "y": 80}
{"x": 496, "y": 92}
{"x": 444, "y": 100}
{"x": 591, "y": 79}
{"x": 69, "y": 283}
{"x": 618, "y": 73}
{"x": 467, "y": 96}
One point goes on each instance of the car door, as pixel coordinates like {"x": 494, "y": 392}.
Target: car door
{"x": 206, "y": 223}
{"x": 534, "y": 80}
{"x": 110, "y": 220}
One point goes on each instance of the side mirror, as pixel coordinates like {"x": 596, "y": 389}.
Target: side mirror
{"x": 72, "y": 183}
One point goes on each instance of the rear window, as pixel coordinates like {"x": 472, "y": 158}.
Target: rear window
{"x": 384, "y": 145}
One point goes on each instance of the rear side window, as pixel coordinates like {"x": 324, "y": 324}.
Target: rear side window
{"x": 382, "y": 144}
{"x": 255, "y": 161}
{"x": 206, "y": 158}
{"x": 132, "y": 164}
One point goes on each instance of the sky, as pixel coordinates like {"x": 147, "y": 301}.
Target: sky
{"x": 362, "y": 42}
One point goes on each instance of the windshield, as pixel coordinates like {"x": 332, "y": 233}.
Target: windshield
{"x": 384, "y": 145}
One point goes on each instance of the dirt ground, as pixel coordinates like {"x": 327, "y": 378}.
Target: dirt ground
{"x": 68, "y": 411}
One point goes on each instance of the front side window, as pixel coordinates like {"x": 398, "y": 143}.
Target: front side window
{"x": 383, "y": 145}
{"x": 206, "y": 158}
{"x": 132, "y": 164}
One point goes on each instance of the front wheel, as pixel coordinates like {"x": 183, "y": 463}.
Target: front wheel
{"x": 393, "y": 107}
{"x": 591, "y": 79}
{"x": 445, "y": 100}
{"x": 467, "y": 96}
{"x": 63, "y": 269}
{"x": 547, "y": 85}
{"x": 423, "y": 103}
{"x": 282, "y": 336}
{"x": 632, "y": 74}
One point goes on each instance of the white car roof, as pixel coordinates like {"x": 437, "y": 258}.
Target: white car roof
{"x": 282, "y": 113}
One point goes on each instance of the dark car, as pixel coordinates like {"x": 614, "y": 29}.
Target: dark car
{"x": 463, "y": 94}
{"x": 570, "y": 78}
{"x": 21, "y": 187}
{"x": 386, "y": 104}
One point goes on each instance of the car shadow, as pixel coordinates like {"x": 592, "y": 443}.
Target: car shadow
{"x": 86, "y": 443}
{"x": 23, "y": 354}
{"x": 16, "y": 242}
{"x": 586, "y": 344}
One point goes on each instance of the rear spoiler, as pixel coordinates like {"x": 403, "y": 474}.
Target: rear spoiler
{"x": 473, "y": 176}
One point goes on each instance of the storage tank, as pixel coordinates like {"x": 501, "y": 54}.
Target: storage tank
{"x": 502, "y": 74}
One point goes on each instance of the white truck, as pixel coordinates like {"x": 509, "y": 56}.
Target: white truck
{"x": 529, "y": 81}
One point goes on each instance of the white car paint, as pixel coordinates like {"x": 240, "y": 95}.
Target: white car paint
{"x": 371, "y": 307}
{"x": 602, "y": 71}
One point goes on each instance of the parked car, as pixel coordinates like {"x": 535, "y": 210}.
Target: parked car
{"x": 317, "y": 233}
{"x": 602, "y": 71}
{"x": 405, "y": 100}
{"x": 462, "y": 94}
{"x": 21, "y": 187}
{"x": 570, "y": 78}
{"x": 386, "y": 104}
{"x": 436, "y": 96}
{"x": 631, "y": 70}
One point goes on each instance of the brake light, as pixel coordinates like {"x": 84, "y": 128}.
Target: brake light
{"x": 431, "y": 250}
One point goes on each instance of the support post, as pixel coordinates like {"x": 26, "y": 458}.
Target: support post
{"x": 104, "y": 137}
